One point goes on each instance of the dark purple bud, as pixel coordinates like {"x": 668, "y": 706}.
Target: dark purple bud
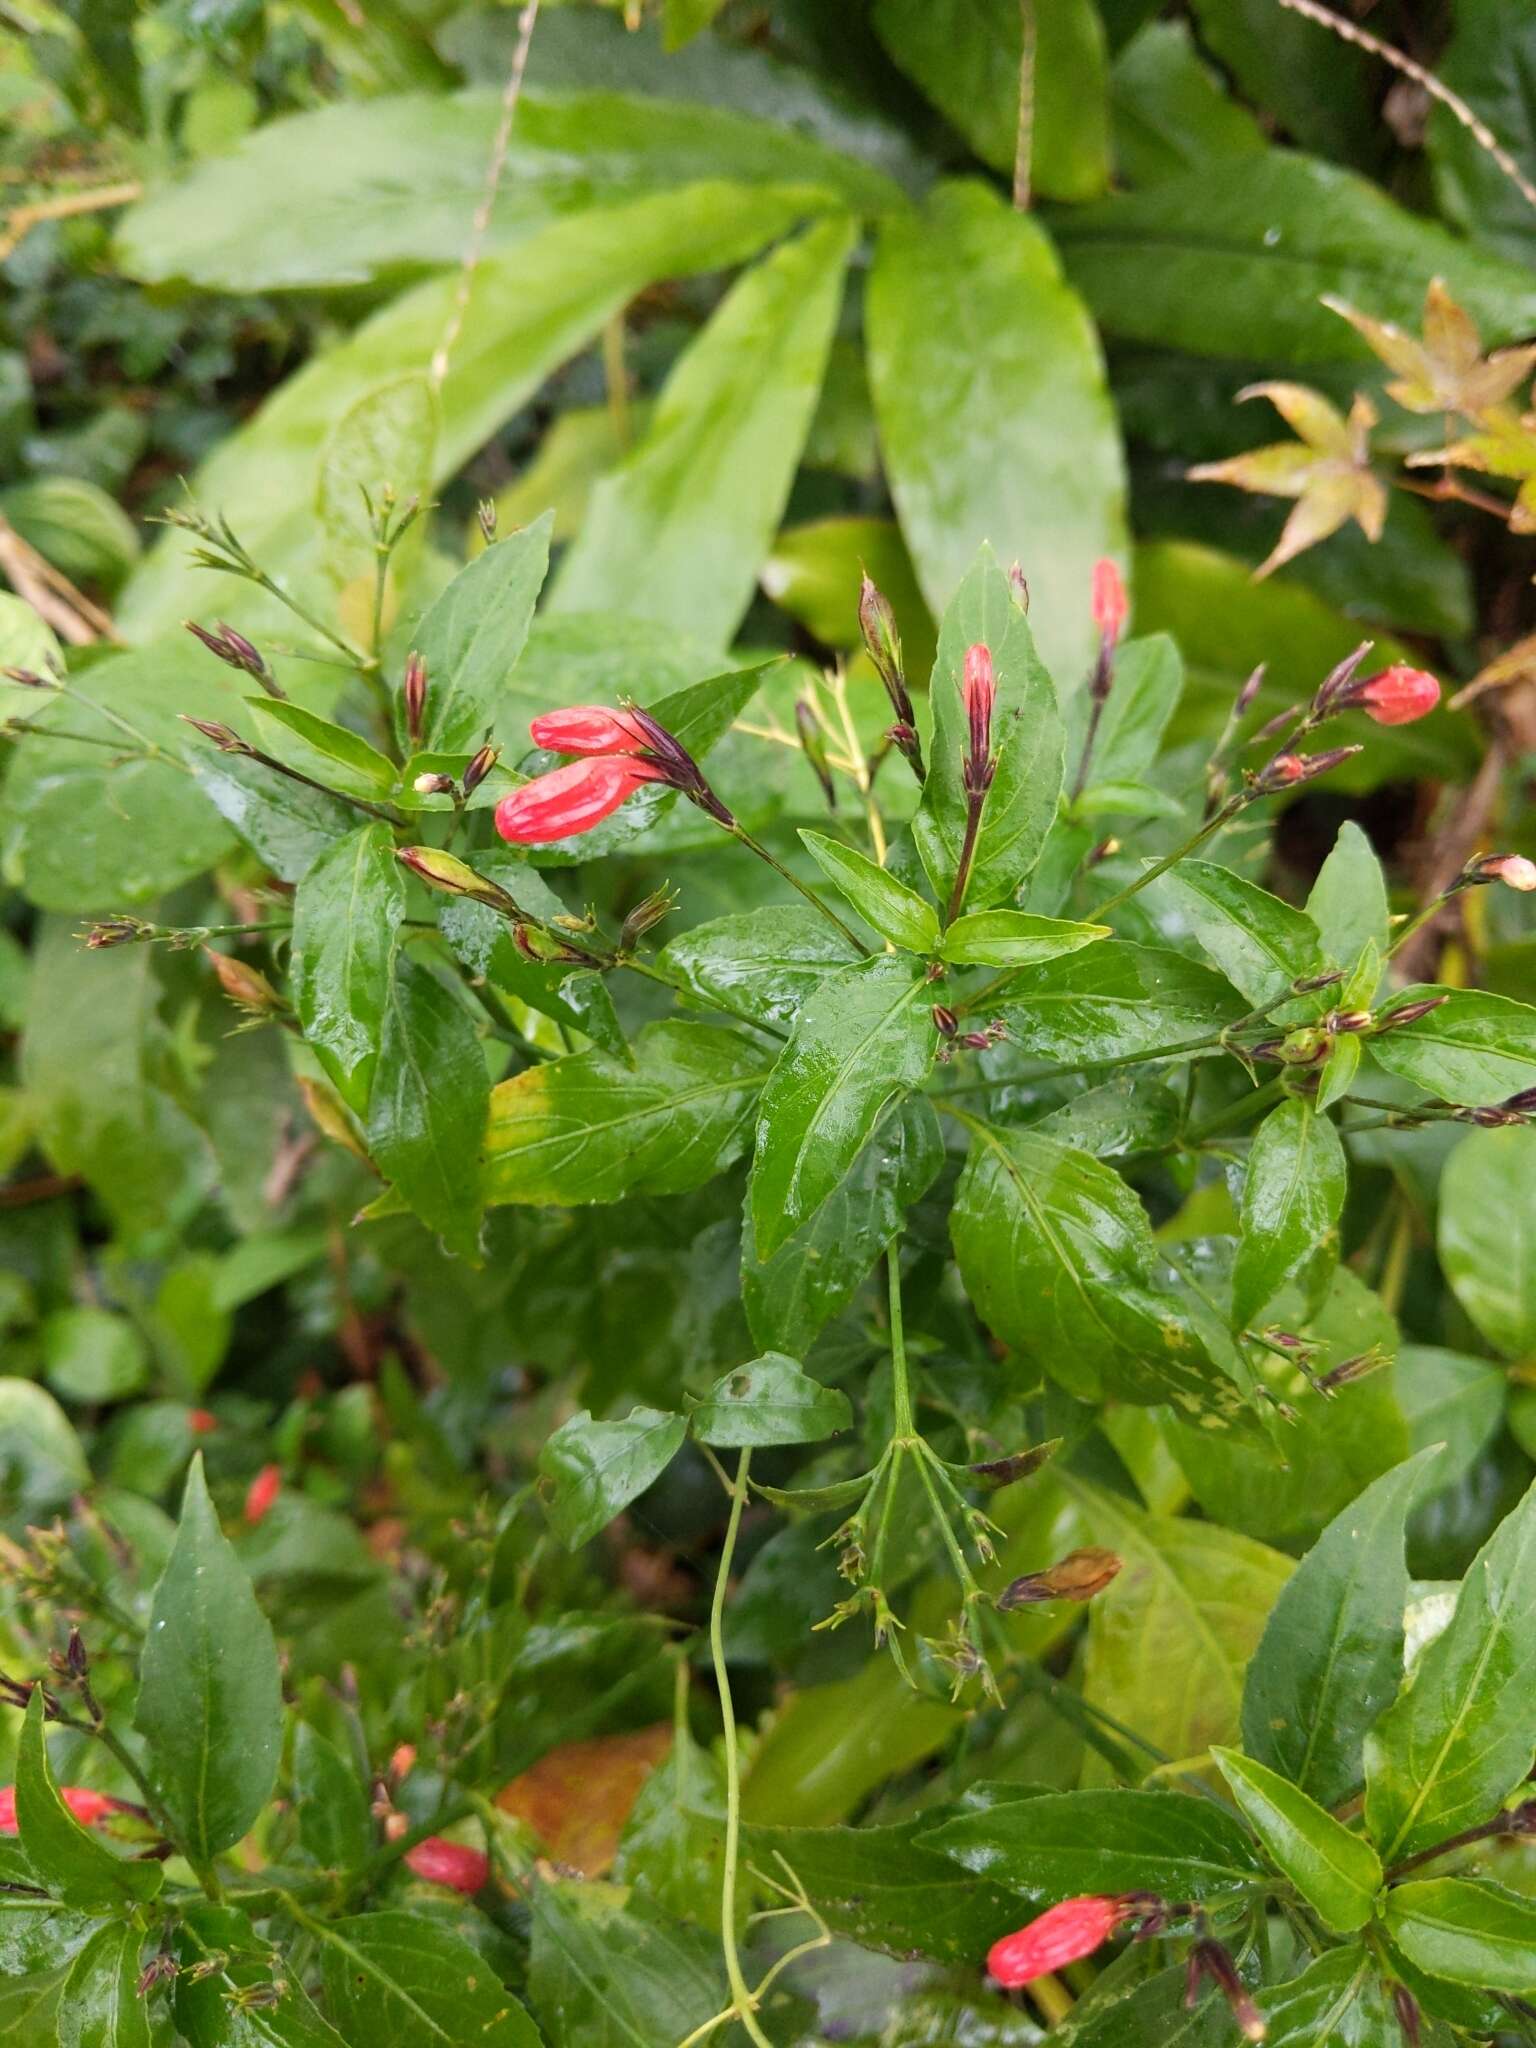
{"x": 1351, "y": 1369}
{"x": 1311, "y": 983}
{"x": 882, "y": 642}
{"x": 413, "y": 691}
{"x": 479, "y": 767}
{"x": 1347, "y": 1020}
{"x": 1243, "y": 702}
{"x": 813, "y": 744}
{"x": 1406, "y": 2008}
{"x": 1209, "y": 1958}
{"x": 226, "y": 741}
{"x": 645, "y": 917}
{"x": 1285, "y": 771}
{"x": 117, "y": 931}
{"x": 665, "y": 752}
{"x": 1407, "y": 1013}
{"x": 1333, "y": 691}
{"x": 29, "y": 679}
{"x": 944, "y": 1021}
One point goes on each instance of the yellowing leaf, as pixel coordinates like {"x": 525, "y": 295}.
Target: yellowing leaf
{"x": 1327, "y": 470}
{"x": 577, "y": 1798}
{"x": 1446, "y": 371}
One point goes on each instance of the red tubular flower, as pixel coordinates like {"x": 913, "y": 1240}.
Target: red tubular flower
{"x": 262, "y": 1492}
{"x": 1109, "y": 602}
{"x": 87, "y": 1806}
{"x": 1396, "y": 695}
{"x": 571, "y": 799}
{"x": 588, "y": 729}
{"x": 978, "y": 688}
{"x": 1062, "y": 1935}
{"x": 450, "y": 1863}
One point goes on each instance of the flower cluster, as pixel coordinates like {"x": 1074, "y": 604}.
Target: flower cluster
{"x": 619, "y": 752}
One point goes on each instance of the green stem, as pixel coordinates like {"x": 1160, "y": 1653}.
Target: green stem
{"x": 739, "y": 832}
{"x": 967, "y": 856}
{"x": 1228, "y": 810}
{"x": 901, "y": 1388}
{"x": 1234, "y": 1113}
{"x": 741, "y": 1994}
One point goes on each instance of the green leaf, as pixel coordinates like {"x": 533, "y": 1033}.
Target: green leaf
{"x": 331, "y": 1800}
{"x": 1169, "y": 1639}
{"x": 1460, "y": 1737}
{"x": 244, "y": 1997}
{"x": 1331, "y": 1655}
{"x": 889, "y": 907}
{"x": 1171, "y": 112}
{"x": 346, "y": 914}
{"x": 1348, "y": 903}
{"x": 1339, "y": 2001}
{"x": 474, "y": 634}
{"x": 1057, "y": 1254}
{"x": 1116, "y": 1002}
{"x": 1149, "y": 681}
{"x": 382, "y": 444}
{"x": 1015, "y": 443}
{"x": 863, "y": 1039}
{"x": 680, "y": 530}
{"x": 590, "y": 1128}
{"x": 1062, "y": 1844}
{"x": 210, "y": 1701}
{"x": 813, "y": 574}
{"x": 1027, "y": 741}
{"x": 766, "y": 963}
{"x": 331, "y": 753}
{"x": 608, "y": 1970}
{"x": 77, "y": 527}
{"x": 532, "y": 309}
{"x": 407, "y": 1980}
{"x": 1293, "y": 1196}
{"x": 1488, "y": 1235}
{"x": 1013, "y": 938}
{"x": 1260, "y": 944}
{"x": 1148, "y": 2012}
{"x": 1317, "y": 87}
{"x": 427, "y": 1110}
{"x": 595, "y": 1469}
{"x": 890, "y": 1888}
{"x": 102, "y": 2006}
{"x": 1450, "y": 1400}
{"x": 1468, "y": 1933}
{"x": 817, "y": 1271}
{"x": 337, "y": 195}
{"x": 965, "y": 54}
{"x": 91, "y": 1355}
{"x": 1473, "y": 1049}
{"x": 75, "y": 1864}
{"x": 770, "y": 1401}
{"x": 41, "y": 1459}
{"x": 284, "y": 823}
{"x": 1237, "y": 266}
{"x": 1336, "y": 1872}
{"x": 1490, "y": 62}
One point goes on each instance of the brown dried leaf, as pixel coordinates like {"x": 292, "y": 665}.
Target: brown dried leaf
{"x": 1078, "y": 1576}
{"x": 577, "y": 1797}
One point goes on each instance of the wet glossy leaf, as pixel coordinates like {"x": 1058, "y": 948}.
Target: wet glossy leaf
{"x": 1348, "y": 903}
{"x": 427, "y": 1109}
{"x": 1260, "y": 944}
{"x": 1341, "y": 2000}
{"x": 1147, "y": 2012}
{"x": 346, "y": 913}
{"x": 405, "y": 1979}
{"x": 1116, "y": 1001}
{"x": 1489, "y": 61}
{"x": 1014, "y": 938}
{"x": 888, "y": 906}
{"x": 1474, "y": 1048}
{"x": 473, "y": 634}
{"x": 1469, "y": 1933}
{"x": 101, "y": 2006}
{"x": 1331, "y": 1655}
{"x": 73, "y": 1863}
{"x": 1336, "y": 1872}
{"x": 770, "y": 1401}
{"x": 862, "y": 1040}
{"x": 1460, "y": 1737}
{"x": 1016, "y": 444}
{"x": 284, "y": 823}
{"x": 1061, "y": 1844}
{"x": 335, "y": 1825}
{"x": 680, "y": 530}
{"x": 766, "y": 962}
{"x": 1488, "y": 1235}
{"x": 1293, "y": 1195}
{"x": 610, "y": 1971}
{"x": 595, "y": 1469}
{"x": 319, "y": 747}
{"x": 210, "y": 1705}
{"x": 590, "y": 1128}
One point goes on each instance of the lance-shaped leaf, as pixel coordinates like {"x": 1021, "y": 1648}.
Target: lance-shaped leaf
{"x": 346, "y": 912}
{"x": 1348, "y": 903}
{"x": 407, "y": 1980}
{"x": 75, "y": 1865}
{"x": 790, "y": 1297}
{"x": 1331, "y": 1654}
{"x": 102, "y": 2006}
{"x": 888, "y": 906}
{"x": 285, "y": 823}
{"x": 1149, "y": 681}
{"x": 427, "y": 1110}
{"x": 1058, "y": 1256}
{"x": 1014, "y": 938}
{"x": 1472, "y": 1048}
{"x": 591, "y": 1128}
{"x": 1467, "y": 1932}
{"x": 1115, "y": 1001}
{"x": 1260, "y": 944}
{"x": 861, "y": 1040}
{"x": 319, "y": 747}
{"x": 680, "y": 530}
{"x": 1337, "y": 1873}
{"x": 1488, "y": 1235}
{"x": 1061, "y": 1844}
{"x": 210, "y": 1701}
{"x": 473, "y": 635}
{"x": 769, "y": 1401}
{"x": 1327, "y": 471}
{"x": 1026, "y": 737}
{"x": 766, "y": 963}
{"x": 1292, "y": 1200}
{"x": 593, "y": 1470}
{"x": 1460, "y": 1737}
{"x": 1341, "y": 2000}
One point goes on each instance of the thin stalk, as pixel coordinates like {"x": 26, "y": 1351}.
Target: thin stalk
{"x": 1080, "y": 781}
{"x": 967, "y": 855}
{"x": 1212, "y": 824}
{"x": 741, "y": 1994}
{"x": 1235, "y": 1112}
{"x": 740, "y": 832}
{"x": 901, "y": 1386}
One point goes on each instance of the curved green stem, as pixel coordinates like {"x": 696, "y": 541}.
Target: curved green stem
{"x": 740, "y": 832}
{"x": 744, "y": 2002}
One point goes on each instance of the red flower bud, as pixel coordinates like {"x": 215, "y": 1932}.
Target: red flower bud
{"x": 414, "y": 692}
{"x": 1109, "y": 603}
{"x": 262, "y": 1492}
{"x": 978, "y": 687}
{"x": 1396, "y": 695}
{"x": 1062, "y": 1935}
{"x": 571, "y": 799}
{"x": 87, "y": 1806}
{"x": 1512, "y": 869}
{"x": 201, "y": 1421}
{"x": 588, "y": 729}
{"x": 444, "y": 1862}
